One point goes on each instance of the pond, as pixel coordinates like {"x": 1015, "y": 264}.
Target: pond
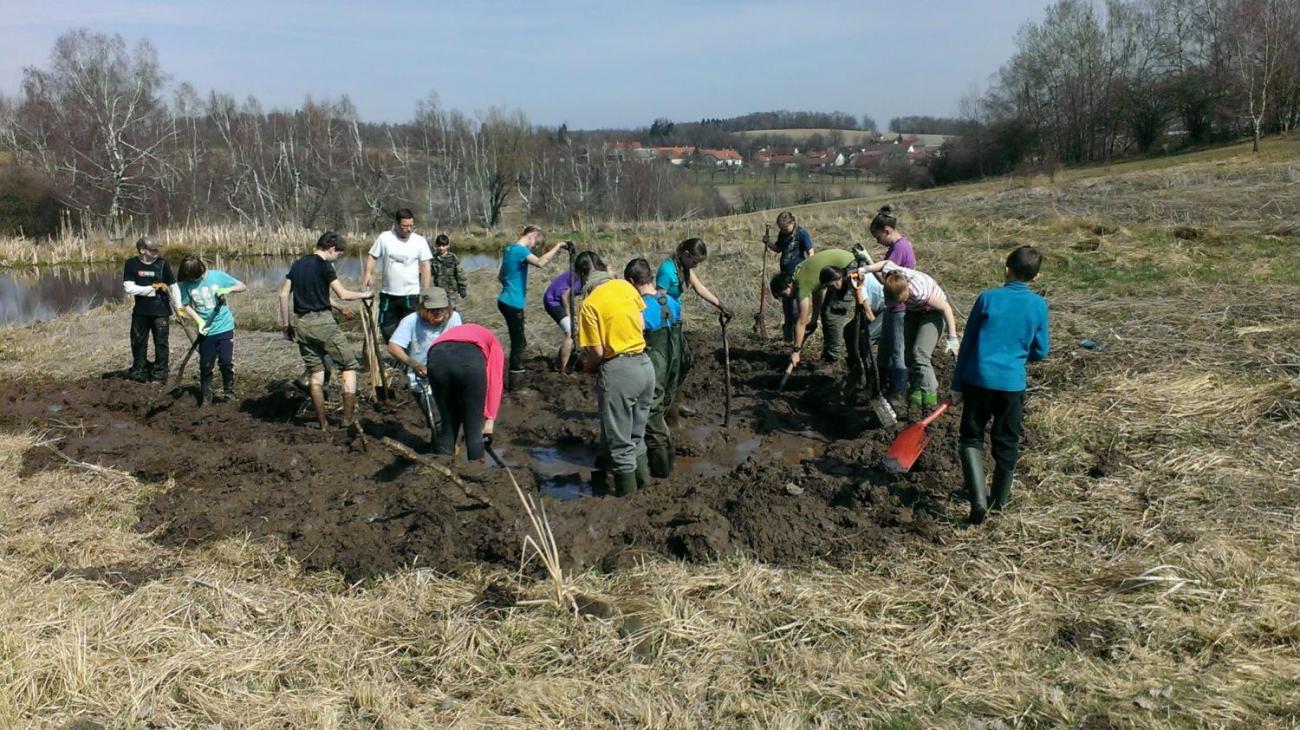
{"x": 38, "y": 294}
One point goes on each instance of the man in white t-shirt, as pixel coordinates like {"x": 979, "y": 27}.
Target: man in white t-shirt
{"x": 406, "y": 258}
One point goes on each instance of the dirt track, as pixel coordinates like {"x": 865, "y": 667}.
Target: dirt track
{"x": 254, "y": 467}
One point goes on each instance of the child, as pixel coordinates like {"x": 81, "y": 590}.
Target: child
{"x": 446, "y": 270}
{"x": 513, "y": 276}
{"x": 465, "y": 367}
{"x": 1007, "y": 328}
{"x": 556, "y": 301}
{"x": 663, "y": 340}
{"x": 793, "y": 244}
{"x": 884, "y": 228}
{"x": 203, "y": 295}
{"x": 926, "y": 312}
{"x": 677, "y": 274}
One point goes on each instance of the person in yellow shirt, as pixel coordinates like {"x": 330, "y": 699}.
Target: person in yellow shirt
{"x": 610, "y": 325}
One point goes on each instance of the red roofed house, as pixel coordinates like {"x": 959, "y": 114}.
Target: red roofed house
{"x": 723, "y": 158}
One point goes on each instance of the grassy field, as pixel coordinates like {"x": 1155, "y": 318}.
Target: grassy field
{"x": 1145, "y": 576}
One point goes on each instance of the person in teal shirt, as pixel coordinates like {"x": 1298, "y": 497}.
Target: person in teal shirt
{"x": 676, "y": 275}
{"x": 513, "y": 276}
{"x": 203, "y": 294}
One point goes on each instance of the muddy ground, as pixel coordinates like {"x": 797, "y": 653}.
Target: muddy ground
{"x": 795, "y": 476}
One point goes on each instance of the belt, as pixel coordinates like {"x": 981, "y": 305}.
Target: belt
{"x": 623, "y": 354}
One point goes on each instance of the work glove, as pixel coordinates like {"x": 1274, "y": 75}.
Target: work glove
{"x": 568, "y": 246}
{"x": 225, "y": 290}
{"x": 952, "y": 344}
{"x": 463, "y": 292}
{"x": 159, "y": 287}
{"x": 860, "y": 254}
{"x": 955, "y": 397}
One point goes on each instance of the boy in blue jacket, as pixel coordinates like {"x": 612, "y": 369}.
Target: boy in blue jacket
{"x": 1007, "y": 327}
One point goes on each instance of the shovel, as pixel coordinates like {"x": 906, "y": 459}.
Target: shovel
{"x": 907, "y": 448}
{"x": 789, "y": 369}
{"x": 726, "y": 362}
{"x": 879, "y": 406}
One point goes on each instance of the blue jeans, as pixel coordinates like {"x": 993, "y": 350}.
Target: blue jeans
{"x": 218, "y": 347}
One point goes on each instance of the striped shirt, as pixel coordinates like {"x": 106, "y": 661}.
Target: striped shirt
{"x": 920, "y": 287}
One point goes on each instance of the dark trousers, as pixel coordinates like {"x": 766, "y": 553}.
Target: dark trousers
{"x": 789, "y": 310}
{"x": 515, "y": 326}
{"x": 142, "y": 326}
{"x": 893, "y": 358}
{"x": 392, "y": 309}
{"x": 214, "y": 348}
{"x": 1006, "y": 410}
{"x": 458, "y": 376}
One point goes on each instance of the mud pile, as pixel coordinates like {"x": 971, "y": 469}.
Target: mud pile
{"x": 795, "y": 477}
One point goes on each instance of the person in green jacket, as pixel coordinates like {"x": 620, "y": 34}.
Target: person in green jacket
{"x": 804, "y": 285}
{"x": 446, "y": 271}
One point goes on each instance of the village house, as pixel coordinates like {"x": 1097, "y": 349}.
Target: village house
{"x": 722, "y": 158}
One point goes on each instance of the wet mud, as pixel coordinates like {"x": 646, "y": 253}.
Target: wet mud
{"x": 795, "y": 477}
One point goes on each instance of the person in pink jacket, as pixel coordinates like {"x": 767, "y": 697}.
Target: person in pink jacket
{"x": 466, "y": 369}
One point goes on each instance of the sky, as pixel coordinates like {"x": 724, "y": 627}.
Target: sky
{"x": 589, "y": 64}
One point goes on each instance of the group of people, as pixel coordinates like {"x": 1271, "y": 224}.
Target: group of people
{"x": 630, "y": 328}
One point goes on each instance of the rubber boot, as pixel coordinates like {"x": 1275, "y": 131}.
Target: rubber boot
{"x": 318, "y": 401}
{"x": 624, "y": 483}
{"x": 659, "y": 462}
{"x": 227, "y": 387}
{"x": 643, "y": 470}
{"x": 600, "y": 475}
{"x": 1002, "y": 480}
{"x": 205, "y": 391}
{"x": 972, "y": 470}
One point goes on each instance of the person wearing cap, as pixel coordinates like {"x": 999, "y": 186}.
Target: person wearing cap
{"x": 148, "y": 278}
{"x": 417, "y": 332}
{"x": 404, "y": 256}
{"x": 610, "y": 327}
{"x": 445, "y": 269}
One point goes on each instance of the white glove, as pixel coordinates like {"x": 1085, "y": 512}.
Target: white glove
{"x": 952, "y": 344}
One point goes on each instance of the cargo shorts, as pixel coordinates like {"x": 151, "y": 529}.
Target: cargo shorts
{"x": 318, "y": 335}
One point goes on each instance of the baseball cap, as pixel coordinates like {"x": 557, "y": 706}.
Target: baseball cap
{"x": 147, "y": 243}
{"x": 435, "y": 297}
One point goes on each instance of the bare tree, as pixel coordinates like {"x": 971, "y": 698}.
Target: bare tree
{"x": 1260, "y": 42}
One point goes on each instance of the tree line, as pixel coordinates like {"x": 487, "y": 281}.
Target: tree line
{"x": 1093, "y": 81}
{"x": 108, "y": 141}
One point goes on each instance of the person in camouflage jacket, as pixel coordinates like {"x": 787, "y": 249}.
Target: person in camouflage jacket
{"x": 446, "y": 269}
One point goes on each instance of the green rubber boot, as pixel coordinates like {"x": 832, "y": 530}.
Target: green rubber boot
{"x": 643, "y": 471}
{"x": 624, "y": 483}
{"x": 972, "y": 470}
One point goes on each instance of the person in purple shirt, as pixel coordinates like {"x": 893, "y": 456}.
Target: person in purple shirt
{"x": 884, "y": 228}
{"x": 556, "y": 301}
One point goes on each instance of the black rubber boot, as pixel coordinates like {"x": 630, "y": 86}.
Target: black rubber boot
{"x": 624, "y": 483}
{"x": 205, "y": 391}
{"x": 642, "y": 471}
{"x": 227, "y": 387}
{"x": 1002, "y": 480}
{"x": 600, "y": 475}
{"x": 972, "y": 470}
{"x": 660, "y": 462}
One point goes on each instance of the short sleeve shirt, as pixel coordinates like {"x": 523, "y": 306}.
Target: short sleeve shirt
{"x": 401, "y": 262}
{"x": 310, "y": 278}
{"x": 920, "y": 287}
{"x": 808, "y": 277}
{"x": 514, "y": 275}
{"x": 794, "y": 248}
{"x": 416, "y": 336}
{"x": 201, "y": 295}
{"x": 669, "y": 278}
{"x": 611, "y": 317}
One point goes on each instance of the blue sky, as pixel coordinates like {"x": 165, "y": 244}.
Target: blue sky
{"x": 590, "y": 64}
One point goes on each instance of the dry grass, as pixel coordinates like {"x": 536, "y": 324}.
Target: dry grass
{"x": 1145, "y": 575}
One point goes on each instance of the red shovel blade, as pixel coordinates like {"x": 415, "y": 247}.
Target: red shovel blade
{"x": 909, "y": 444}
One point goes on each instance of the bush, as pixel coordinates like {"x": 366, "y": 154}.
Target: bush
{"x": 29, "y": 205}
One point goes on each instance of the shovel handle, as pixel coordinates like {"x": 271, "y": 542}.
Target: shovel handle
{"x": 937, "y": 412}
